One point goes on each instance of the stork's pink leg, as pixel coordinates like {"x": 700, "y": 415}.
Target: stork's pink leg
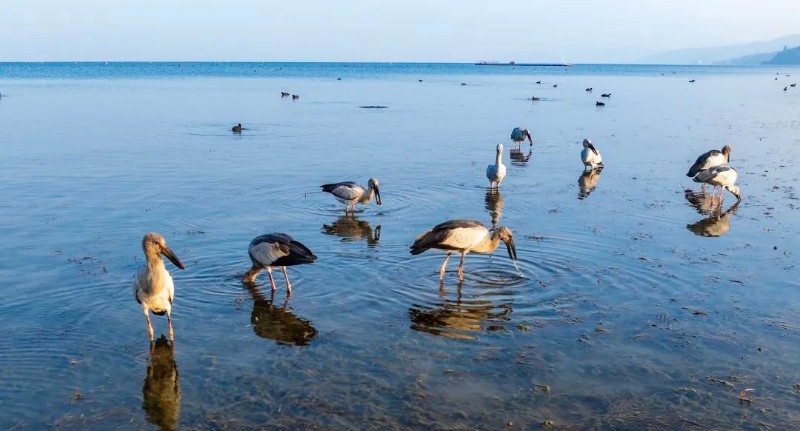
{"x": 288, "y": 285}
{"x": 271, "y": 280}
{"x": 461, "y": 266}
{"x": 444, "y": 264}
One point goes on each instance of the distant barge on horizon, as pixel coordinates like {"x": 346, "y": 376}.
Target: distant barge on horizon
{"x": 513, "y": 63}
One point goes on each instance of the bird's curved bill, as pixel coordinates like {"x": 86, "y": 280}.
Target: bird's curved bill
{"x": 512, "y": 250}
{"x": 378, "y": 196}
{"x": 171, "y": 256}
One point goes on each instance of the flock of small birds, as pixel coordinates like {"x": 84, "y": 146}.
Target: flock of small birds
{"x": 154, "y": 289}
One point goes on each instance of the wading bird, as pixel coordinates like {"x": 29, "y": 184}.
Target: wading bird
{"x": 710, "y": 160}
{"x": 496, "y": 172}
{"x": 590, "y": 156}
{"x": 463, "y": 236}
{"x": 237, "y": 128}
{"x": 350, "y": 193}
{"x": 519, "y": 134}
{"x": 153, "y": 287}
{"x": 276, "y": 250}
{"x": 720, "y": 176}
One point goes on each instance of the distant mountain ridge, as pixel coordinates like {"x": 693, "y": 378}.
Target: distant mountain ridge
{"x": 787, "y": 56}
{"x": 732, "y": 54}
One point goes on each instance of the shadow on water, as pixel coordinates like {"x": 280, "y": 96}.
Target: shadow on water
{"x": 494, "y": 204}
{"x": 587, "y": 182}
{"x": 162, "y": 389}
{"x": 519, "y": 158}
{"x": 716, "y": 225}
{"x": 456, "y": 318}
{"x": 351, "y": 228}
{"x": 278, "y": 323}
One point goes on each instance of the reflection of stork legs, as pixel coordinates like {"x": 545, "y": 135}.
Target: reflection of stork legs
{"x": 444, "y": 264}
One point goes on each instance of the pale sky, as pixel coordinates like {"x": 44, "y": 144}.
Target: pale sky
{"x": 578, "y": 31}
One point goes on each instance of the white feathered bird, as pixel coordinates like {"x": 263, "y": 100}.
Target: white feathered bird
{"x": 496, "y": 172}
{"x": 350, "y": 193}
{"x": 720, "y": 176}
{"x": 153, "y": 287}
{"x": 590, "y": 156}
{"x": 276, "y": 250}
{"x": 463, "y": 236}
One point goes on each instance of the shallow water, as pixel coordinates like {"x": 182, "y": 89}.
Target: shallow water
{"x": 635, "y": 303}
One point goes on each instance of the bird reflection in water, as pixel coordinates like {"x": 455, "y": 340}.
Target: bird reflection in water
{"x": 278, "y": 323}
{"x": 717, "y": 224}
{"x": 162, "y": 390}
{"x": 587, "y": 182}
{"x": 519, "y": 158}
{"x": 457, "y": 318}
{"x": 350, "y": 228}
{"x": 704, "y": 203}
{"x": 494, "y": 204}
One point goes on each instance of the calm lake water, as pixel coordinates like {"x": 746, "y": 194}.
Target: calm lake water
{"x": 634, "y": 304}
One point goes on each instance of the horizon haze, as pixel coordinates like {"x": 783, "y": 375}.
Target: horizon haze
{"x": 577, "y": 31}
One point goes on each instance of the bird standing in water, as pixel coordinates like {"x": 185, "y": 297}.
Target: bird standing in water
{"x": 496, "y": 172}
{"x": 153, "y": 287}
{"x": 720, "y": 176}
{"x": 276, "y": 250}
{"x": 710, "y": 159}
{"x": 519, "y": 134}
{"x": 463, "y": 236}
{"x": 350, "y": 193}
{"x": 590, "y": 156}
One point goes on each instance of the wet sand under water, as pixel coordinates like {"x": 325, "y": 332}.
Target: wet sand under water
{"x": 636, "y": 304}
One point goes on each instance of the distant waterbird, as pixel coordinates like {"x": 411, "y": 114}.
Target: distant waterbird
{"x": 691, "y": 80}
{"x": 538, "y": 82}
{"x": 496, "y": 172}
{"x": 463, "y": 236}
{"x": 590, "y": 157}
{"x": 793, "y": 85}
{"x": 276, "y": 250}
{"x": 463, "y": 83}
{"x": 605, "y": 95}
{"x": 295, "y": 97}
{"x": 599, "y": 104}
{"x": 519, "y": 134}
{"x": 153, "y": 287}
{"x": 555, "y": 85}
{"x": 350, "y": 193}
{"x": 720, "y": 176}
{"x": 284, "y": 94}
{"x": 237, "y": 128}
{"x": 785, "y": 88}
{"x": 589, "y": 89}
{"x": 710, "y": 159}
{"x": 534, "y": 98}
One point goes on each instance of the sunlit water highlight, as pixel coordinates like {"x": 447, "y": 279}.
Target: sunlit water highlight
{"x": 635, "y": 302}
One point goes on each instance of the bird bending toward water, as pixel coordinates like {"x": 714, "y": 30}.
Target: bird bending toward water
{"x": 720, "y": 176}
{"x": 350, "y": 193}
{"x": 519, "y": 134}
{"x": 496, "y": 172}
{"x": 153, "y": 287}
{"x": 709, "y": 160}
{"x": 590, "y": 156}
{"x": 276, "y": 250}
{"x": 463, "y": 236}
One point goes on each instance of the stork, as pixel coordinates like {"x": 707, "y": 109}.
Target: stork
{"x": 710, "y": 159}
{"x": 463, "y": 236}
{"x": 720, "y": 176}
{"x": 519, "y": 134}
{"x": 590, "y": 156}
{"x": 153, "y": 287}
{"x": 496, "y": 172}
{"x": 276, "y": 250}
{"x": 350, "y": 193}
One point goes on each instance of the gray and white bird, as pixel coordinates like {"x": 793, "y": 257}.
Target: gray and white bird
{"x": 519, "y": 134}
{"x": 276, "y": 250}
{"x": 463, "y": 236}
{"x": 720, "y": 176}
{"x": 153, "y": 287}
{"x": 590, "y": 156}
{"x": 496, "y": 172}
{"x": 350, "y": 193}
{"x": 710, "y": 159}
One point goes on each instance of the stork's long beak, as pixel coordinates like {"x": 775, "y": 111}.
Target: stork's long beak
{"x": 377, "y": 196}
{"x": 171, "y": 256}
{"x": 512, "y": 249}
